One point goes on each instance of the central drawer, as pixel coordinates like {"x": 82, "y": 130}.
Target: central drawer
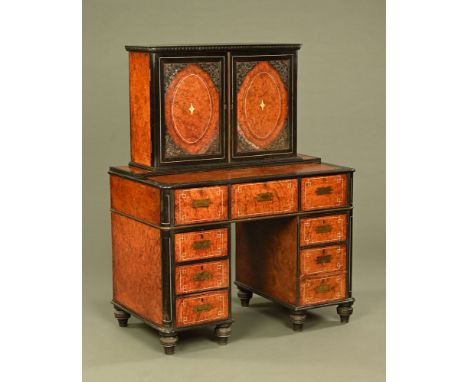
{"x": 202, "y": 276}
{"x": 201, "y": 308}
{"x": 266, "y": 198}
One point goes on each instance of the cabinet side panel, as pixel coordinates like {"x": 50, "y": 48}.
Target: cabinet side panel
{"x": 266, "y": 257}
{"x": 140, "y": 120}
{"x": 136, "y": 199}
{"x": 136, "y": 265}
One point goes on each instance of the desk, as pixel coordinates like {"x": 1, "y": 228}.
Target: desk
{"x": 171, "y": 237}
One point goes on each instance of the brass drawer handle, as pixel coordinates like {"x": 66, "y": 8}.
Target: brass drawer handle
{"x": 202, "y": 308}
{"x": 201, "y": 203}
{"x": 264, "y": 197}
{"x": 323, "y": 259}
{"x": 322, "y": 288}
{"x": 323, "y": 190}
{"x": 201, "y": 244}
{"x": 323, "y": 228}
{"x": 202, "y": 276}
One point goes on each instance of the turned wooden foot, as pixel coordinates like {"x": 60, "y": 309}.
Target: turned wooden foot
{"x": 121, "y": 316}
{"x": 244, "y": 296}
{"x": 168, "y": 341}
{"x": 297, "y": 319}
{"x": 345, "y": 310}
{"x": 223, "y": 332}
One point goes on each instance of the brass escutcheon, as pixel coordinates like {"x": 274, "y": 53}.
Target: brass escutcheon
{"x": 322, "y": 288}
{"x": 323, "y": 190}
{"x": 264, "y": 197}
{"x": 201, "y": 244}
{"x": 323, "y": 259}
{"x": 202, "y": 276}
{"x": 201, "y": 203}
{"x": 323, "y": 228}
{"x": 202, "y": 308}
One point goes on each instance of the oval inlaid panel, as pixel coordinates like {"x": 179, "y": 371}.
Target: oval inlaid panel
{"x": 262, "y": 105}
{"x": 192, "y": 110}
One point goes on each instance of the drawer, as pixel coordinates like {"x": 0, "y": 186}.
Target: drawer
{"x": 201, "y": 244}
{"x": 204, "y": 204}
{"x": 201, "y": 308}
{"x": 203, "y": 276}
{"x": 267, "y": 198}
{"x": 323, "y": 192}
{"x": 325, "y": 259}
{"x": 322, "y": 289}
{"x": 323, "y": 229}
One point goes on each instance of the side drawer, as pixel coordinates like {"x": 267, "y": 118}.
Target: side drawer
{"x": 195, "y": 205}
{"x": 201, "y": 244}
{"x": 316, "y": 290}
{"x": 266, "y": 198}
{"x": 325, "y": 259}
{"x": 324, "y": 229}
{"x": 323, "y": 192}
{"x": 201, "y": 308}
{"x": 203, "y": 276}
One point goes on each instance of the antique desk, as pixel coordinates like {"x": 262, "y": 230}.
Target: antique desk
{"x": 213, "y": 142}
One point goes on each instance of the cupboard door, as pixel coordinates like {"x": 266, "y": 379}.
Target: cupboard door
{"x": 192, "y": 109}
{"x": 263, "y": 111}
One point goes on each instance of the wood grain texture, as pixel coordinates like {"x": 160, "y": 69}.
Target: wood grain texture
{"x": 140, "y": 121}
{"x": 322, "y": 289}
{"x": 196, "y": 205}
{"x": 262, "y": 106}
{"x": 136, "y": 199}
{"x": 323, "y": 229}
{"x": 324, "y": 259}
{"x": 201, "y": 277}
{"x": 136, "y": 265}
{"x": 323, "y": 192}
{"x": 266, "y": 257}
{"x": 192, "y": 110}
{"x": 247, "y": 172}
{"x": 267, "y": 198}
{"x": 201, "y": 244}
{"x": 202, "y": 308}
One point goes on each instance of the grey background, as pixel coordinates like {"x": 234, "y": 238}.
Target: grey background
{"x": 341, "y": 117}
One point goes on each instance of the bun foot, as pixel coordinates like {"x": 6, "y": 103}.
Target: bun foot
{"x": 344, "y": 311}
{"x": 223, "y": 332}
{"x": 297, "y": 319}
{"x": 244, "y": 296}
{"x": 121, "y": 316}
{"x": 168, "y": 341}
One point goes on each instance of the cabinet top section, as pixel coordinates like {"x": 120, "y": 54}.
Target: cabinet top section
{"x": 210, "y": 47}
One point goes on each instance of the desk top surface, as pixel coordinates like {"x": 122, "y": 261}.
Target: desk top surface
{"x": 233, "y": 175}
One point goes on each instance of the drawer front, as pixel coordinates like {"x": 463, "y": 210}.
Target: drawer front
{"x": 201, "y": 308}
{"x": 201, "y": 244}
{"x": 326, "y": 259}
{"x": 323, "y": 192}
{"x": 322, "y": 289}
{"x": 267, "y": 198}
{"x": 323, "y": 229}
{"x": 200, "y": 277}
{"x": 197, "y": 205}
